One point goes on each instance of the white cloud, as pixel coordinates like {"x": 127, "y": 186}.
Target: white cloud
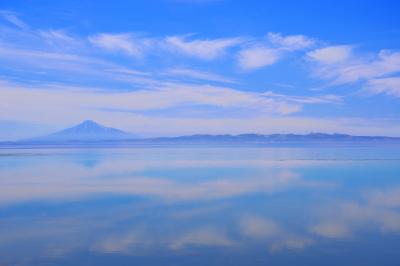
{"x": 345, "y": 68}
{"x": 66, "y": 63}
{"x": 389, "y": 86}
{"x": 91, "y": 102}
{"x": 271, "y": 50}
{"x": 196, "y": 74}
{"x": 330, "y": 98}
{"x": 157, "y": 98}
{"x": 201, "y": 48}
{"x": 124, "y": 42}
{"x": 331, "y": 54}
{"x": 290, "y": 42}
{"x": 44, "y": 59}
{"x": 256, "y": 57}
{"x": 130, "y": 44}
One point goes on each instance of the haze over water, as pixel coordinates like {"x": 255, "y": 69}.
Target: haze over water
{"x": 200, "y": 206}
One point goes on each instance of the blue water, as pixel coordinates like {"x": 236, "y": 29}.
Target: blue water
{"x": 200, "y": 206}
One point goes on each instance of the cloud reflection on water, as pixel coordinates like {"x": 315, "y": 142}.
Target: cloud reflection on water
{"x": 63, "y": 180}
{"x": 272, "y": 205}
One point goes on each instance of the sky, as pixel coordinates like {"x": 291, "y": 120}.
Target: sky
{"x": 179, "y": 67}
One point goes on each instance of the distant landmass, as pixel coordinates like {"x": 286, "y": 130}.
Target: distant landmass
{"x": 90, "y": 132}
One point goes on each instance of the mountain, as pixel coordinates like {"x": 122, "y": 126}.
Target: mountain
{"x": 91, "y": 132}
{"x": 88, "y": 130}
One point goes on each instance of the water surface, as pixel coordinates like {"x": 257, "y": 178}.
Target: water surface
{"x": 200, "y": 206}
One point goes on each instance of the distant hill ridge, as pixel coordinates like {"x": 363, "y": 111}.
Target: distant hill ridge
{"x": 90, "y": 131}
{"x": 279, "y": 137}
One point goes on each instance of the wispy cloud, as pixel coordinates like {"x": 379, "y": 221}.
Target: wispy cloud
{"x": 339, "y": 66}
{"x": 290, "y": 42}
{"x": 13, "y": 18}
{"x": 59, "y": 38}
{"x": 330, "y": 98}
{"x": 125, "y": 42}
{"x": 206, "y": 49}
{"x": 257, "y": 56}
{"x": 388, "y": 86}
{"x": 55, "y": 65}
{"x": 157, "y": 98}
{"x": 199, "y": 75}
{"x": 269, "y": 51}
{"x": 160, "y": 96}
{"x": 331, "y": 54}
{"x": 134, "y": 45}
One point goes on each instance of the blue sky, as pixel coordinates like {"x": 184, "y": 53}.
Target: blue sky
{"x": 174, "y": 67}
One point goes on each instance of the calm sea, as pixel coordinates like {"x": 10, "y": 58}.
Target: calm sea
{"x": 330, "y": 205}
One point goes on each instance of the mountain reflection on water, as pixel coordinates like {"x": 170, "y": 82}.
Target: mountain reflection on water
{"x": 200, "y": 206}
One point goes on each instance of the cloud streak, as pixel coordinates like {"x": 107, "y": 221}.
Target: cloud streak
{"x": 206, "y": 49}
{"x": 124, "y": 42}
{"x": 261, "y": 54}
{"x": 13, "y": 18}
{"x": 198, "y": 75}
{"x": 388, "y": 86}
{"x": 340, "y": 66}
